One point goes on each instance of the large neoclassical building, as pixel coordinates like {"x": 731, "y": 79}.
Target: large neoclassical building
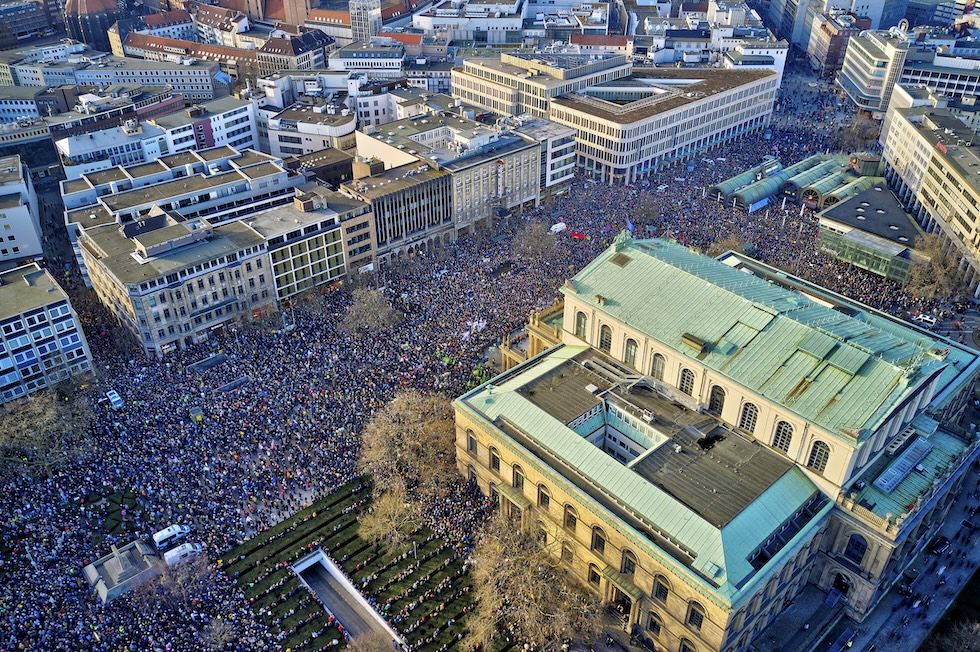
{"x": 712, "y": 436}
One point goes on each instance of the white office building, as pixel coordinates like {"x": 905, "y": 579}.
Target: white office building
{"x": 41, "y": 338}
{"x": 20, "y": 226}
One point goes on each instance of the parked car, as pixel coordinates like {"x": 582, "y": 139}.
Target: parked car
{"x": 939, "y": 546}
{"x": 925, "y": 320}
{"x": 168, "y": 536}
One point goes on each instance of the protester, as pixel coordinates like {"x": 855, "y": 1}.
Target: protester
{"x": 289, "y": 434}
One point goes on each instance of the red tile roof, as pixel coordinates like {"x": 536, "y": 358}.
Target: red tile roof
{"x": 328, "y": 16}
{"x": 217, "y": 53}
{"x": 407, "y": 39}
{"x": 176, "y": 17}
{"x": 392, "y": 11}
{"x": 217, "y": 17}
{"x": 599, "y": 40}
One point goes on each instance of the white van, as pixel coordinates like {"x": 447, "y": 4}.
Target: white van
{"x": 170, "y": 535}
{"x": 115, "y": 400}
{"x": 182, "y": 553}
{"x": 925, "y": 319}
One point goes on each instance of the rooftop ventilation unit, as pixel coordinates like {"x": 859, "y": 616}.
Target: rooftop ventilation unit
{"x": 903, "y": 465}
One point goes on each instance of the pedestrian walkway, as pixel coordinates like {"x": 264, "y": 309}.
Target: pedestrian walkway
{"x": 897, "y": 625}
{"x": 344, "y": 607}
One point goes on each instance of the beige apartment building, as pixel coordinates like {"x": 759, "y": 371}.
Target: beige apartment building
{"x": 524, "y": 82}
{"x": 630, "y": 128}
{"x": 627, "y": 122}
{"x": 704, "y": 469}
{"x": 172, "y": 280}
{"x": 493, "y": 172}
{"x": 933, "y": 164}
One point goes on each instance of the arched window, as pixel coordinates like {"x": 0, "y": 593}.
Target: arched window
{"x": 470, "y": 442}
{"x": 658, "y": 366}
{"x": 544, "y": 497}
{"x": 661, "y": 588}
{"x": 783, "y": 437}
{"x": 686, "y": 384}
{"x": 750, "y": 414}
{"x": 571, "y": 518}
{"x": 695, "y": 616}
{"x": 605, "y": 339}
{"x": 581, "y": 325}
{"x": 687, "y": 646}
{"x": 542, "y": 533}
{"x": 566, "y": 554}
{"x": 598, "y": 540}
{"x": 494, "y": 494}
{"x": 819, "y": 455}
{"x": 716, "y": 400}
{"x": 629, "y": 355}
{"x": 494, "y": 460}
{"x": 471, "y": 473}
{"x": 594, "y": 576}
{"x": 856, "y": 547}
{"x": 628, "y": 566}
{"x": 518, "y": 478}
{"x": 654, "y": 624}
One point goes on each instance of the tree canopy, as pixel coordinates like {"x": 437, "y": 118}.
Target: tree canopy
{"x": 370, "y": 312}
{"x": 40, "y": 432}
{"x": 408, "y": 450}
{"x": 521, "y": 585}
{"x": 936, "y": 274}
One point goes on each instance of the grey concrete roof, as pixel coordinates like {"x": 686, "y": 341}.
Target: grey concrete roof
{"x": 28, "y": 287}
{"x": 877, "y": 211}
{"x": 114, "y": 250}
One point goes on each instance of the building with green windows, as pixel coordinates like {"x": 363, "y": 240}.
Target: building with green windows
{"x": 715, "y": 438}
{"x": 305, "y": 243}
{"x": 871, "y": 230}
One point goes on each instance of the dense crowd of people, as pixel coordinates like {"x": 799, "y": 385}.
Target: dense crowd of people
{"x": 288, "y": 432}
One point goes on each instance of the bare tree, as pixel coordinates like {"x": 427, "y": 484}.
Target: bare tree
{"x": 177, "y": 585}
{"x": 936, "y": 274}
{"x": 520, "y": 584}
{"x": 964, "y": 636}
{"x": 392, "y": 518}
{"x": 40, "y": 432}
{"x": 372, "y": 641}
{"x": 371, "y": 312}
{"x": 535, "y": 240}
{"x": 729, "y": 243}
{"x": 217, "y": 633}
{"x": 857, "y": 136}
{"x": 410, "y": 442}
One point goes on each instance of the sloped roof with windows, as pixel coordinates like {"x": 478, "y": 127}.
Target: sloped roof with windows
{"x": 842, "y": 368}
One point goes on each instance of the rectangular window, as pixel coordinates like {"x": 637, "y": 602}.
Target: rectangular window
{"x": 494, "y": 461}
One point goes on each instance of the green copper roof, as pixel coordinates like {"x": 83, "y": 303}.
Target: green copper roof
{"x": 721, "y": 555}
{"x": 841, "y": 369}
